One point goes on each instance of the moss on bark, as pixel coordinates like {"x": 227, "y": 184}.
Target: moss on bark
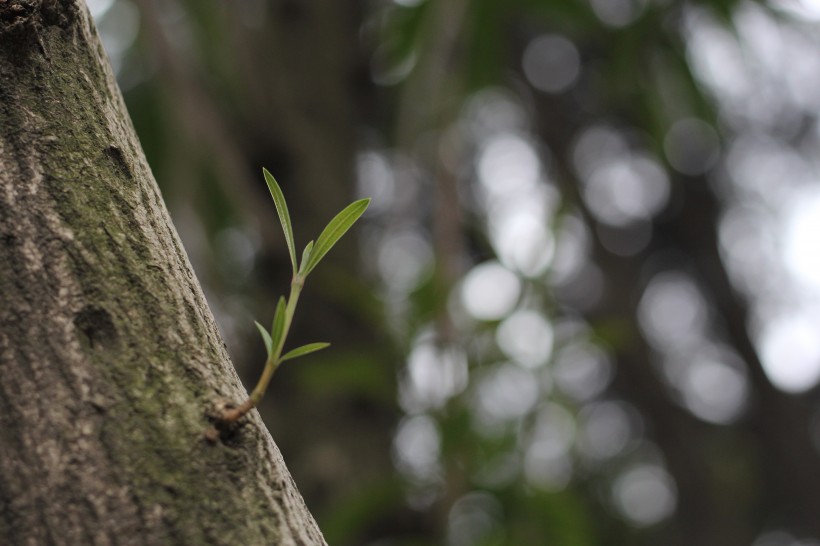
{"x": 110, "y": 358}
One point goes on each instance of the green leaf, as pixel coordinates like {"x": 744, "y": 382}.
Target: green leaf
{"x": 265, "y": 337}
{"x": 305, "y": 256}
{"x": 305, "y": 350}
{"x": 278, "y": 324}
{"x": 334, "y": 231}
{"x": 284, "y": 215}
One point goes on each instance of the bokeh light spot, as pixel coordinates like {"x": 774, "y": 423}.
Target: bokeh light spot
{"x": 508, "y": 164}
{"x": 605, "y": 429}
{"x": 375, "y": 180}
{"x": 434, "y": 375}
{"x": 405, "y": 258}
{"x": 672, "y": 311}
{"x": 805, "y": 9}
{"x": 526, "y": 337}
{"x": 238, "y": 249}
{"x": 783, "y": 538}
{"x": 473, "y": 519}
{"x": 617, "y": 13}
{"x": 692, "y": 146}
{"x": 98, "y": 8}
{"x": 595, "y": 145}
{"x": 523, "y": 242}
{"x": 582, "y": 370}
{"x": 417, "y": 447}
{"x": 118, "y": 27}
{"x": 715, "y": 389}
{"x": 790, "y": 352}
{"x": 551, "y": 63}
{"x": 802, "y": 248}
{"x": 547, "y": 463}
{"x": 490, "y": 291}
{"x": 503, "y": 393}
{"x": 626, "y": 189}
{"x": 627, "y": 240}
{"x": 645, "y": 495}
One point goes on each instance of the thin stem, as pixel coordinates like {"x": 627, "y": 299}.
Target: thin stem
{"x": 273, "y": 361}
{"x": 275, "y": 358}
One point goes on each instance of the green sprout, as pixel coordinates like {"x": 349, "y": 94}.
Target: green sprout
{"x": 285, "y": 308}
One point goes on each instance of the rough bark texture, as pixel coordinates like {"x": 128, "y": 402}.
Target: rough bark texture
{"x": 109, "y": 357}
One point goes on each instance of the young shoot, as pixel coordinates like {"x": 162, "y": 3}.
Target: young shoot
{"x": 313, "y": 253}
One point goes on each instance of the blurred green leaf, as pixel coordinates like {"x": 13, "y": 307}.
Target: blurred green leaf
{"x": 305, "y": 257}
{"x": 284, "y": 215}
{"x": 334, "y": 231}
{"x": 265, "y": 337}
{"x": 305, "y": 350}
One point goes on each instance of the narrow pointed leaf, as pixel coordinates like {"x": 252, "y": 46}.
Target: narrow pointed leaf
{"x": 284, "y": 215}
{"x": 334, "y": 231}
{"x": 305, "y": 257}
{"x": 305, "y": 350}
{"x": 278, "y": 324}
{"x": 265, "y": 337}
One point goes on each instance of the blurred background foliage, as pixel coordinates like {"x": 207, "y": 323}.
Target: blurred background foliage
{"x": 584, "y": 307}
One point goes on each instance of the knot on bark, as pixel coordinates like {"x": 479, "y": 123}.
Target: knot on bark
{"x": 97, "y": 327}
{"x": 14, "y": 14}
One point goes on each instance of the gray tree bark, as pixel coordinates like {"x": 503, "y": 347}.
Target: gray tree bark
{"x": 110, "y": 361}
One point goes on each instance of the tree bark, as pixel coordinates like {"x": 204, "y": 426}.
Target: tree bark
{"x": 109, "y": 357}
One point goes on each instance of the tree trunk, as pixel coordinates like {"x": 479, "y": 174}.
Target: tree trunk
{"x": 109, "y": 357}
